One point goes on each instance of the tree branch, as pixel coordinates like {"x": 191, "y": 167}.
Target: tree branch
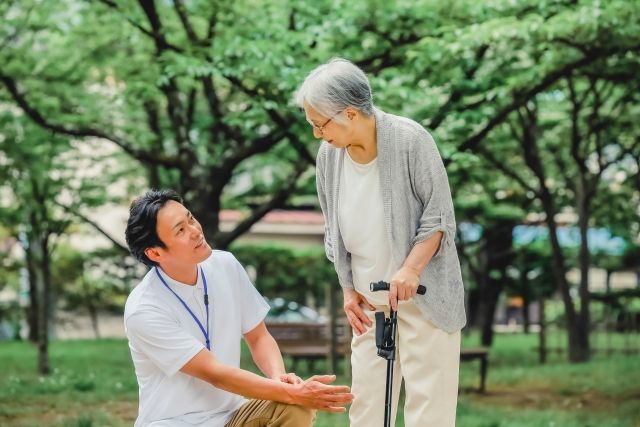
{"x": 257, "y": 214}
{"x": 93, "y": 224}
{"x": 522, "y": 98}
{"x": 82, "y": 132}
{"x": 112, "y": 4}
{"x": 175, "y": 109}
{"x": 458, "y": 93}
{"x": 181, "y": 11}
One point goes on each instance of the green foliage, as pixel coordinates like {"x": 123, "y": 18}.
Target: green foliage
{"x": 293, "y": 274}
{"x": 204, "y": 105}
{"x": 93, "y": 280}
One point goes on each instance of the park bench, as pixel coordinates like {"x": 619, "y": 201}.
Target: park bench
{"x": 312, "y": 342}
{"x": 481, "y": 354}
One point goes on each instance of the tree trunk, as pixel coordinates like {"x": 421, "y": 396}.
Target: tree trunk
{"x": 525, "y": 312}
{"x": 33, "y": 309}
{"x": 490, "y": 302}
{"x": 498, "y": 254}
{"x": 582, "y": 352}
{"x": 542, "y": 349}
{"x": 534, "y": 162}
{"x": 93, "y": 314}
{"x": 39, "y": 251}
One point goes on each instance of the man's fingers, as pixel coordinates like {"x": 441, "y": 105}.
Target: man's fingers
{"x": 324, "y": 379}
{"x": 290, "y": 378}
{"x": 340, "y": 398}
{"x": 335, "y": 409}
{"x": 339, "y": 390}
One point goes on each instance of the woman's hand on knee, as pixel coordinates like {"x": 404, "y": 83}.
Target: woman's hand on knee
{"x": 353, "y": 303}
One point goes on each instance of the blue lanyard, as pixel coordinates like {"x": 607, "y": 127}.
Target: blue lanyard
{"x": 206, "y": 304}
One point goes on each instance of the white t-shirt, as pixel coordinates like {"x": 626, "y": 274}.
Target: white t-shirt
{"x": 361, "y": 222}
{"x": 163, "y": 337}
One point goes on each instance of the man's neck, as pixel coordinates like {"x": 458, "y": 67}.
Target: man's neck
{"x": 185, "y": 275}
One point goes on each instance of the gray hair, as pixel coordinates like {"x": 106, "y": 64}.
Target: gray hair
{"x": 334, "y": 86}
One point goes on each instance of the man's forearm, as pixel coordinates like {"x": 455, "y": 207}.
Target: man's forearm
{"x": 267, "y": 357}
{"x": 313, "y": 393}
{"x": 236, "y": 380}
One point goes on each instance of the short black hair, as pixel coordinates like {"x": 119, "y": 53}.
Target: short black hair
{"x": 141, "y": 230}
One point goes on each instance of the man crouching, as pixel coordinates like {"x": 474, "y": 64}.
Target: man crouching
{"x": 184, "y": 322}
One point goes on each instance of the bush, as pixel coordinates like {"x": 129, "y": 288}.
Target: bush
{"x": 291, "y": 273}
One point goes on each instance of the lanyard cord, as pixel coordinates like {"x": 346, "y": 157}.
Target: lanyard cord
{"x": 206, "y": 305}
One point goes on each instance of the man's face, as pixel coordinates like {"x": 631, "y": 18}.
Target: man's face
{"x": 182, "y": 235}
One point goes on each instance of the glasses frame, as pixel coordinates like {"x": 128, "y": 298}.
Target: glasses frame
{"x": 321, "y": 127}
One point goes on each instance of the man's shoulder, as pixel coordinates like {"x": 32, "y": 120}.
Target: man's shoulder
{"x": 142, "y": 298}
{"x": 222, "y": 262}
{"x": 220, "y": 258}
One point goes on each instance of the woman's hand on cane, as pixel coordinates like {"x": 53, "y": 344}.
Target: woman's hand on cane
{"x": 403, "y": 286}
{"x": 353, "y": 303}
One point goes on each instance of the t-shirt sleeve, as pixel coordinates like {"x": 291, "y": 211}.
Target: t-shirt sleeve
{"x": 252, "y": 306}
{"x": 161, "y": 339}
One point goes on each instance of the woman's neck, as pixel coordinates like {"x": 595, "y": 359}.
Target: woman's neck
{"x": 364, "y": 147}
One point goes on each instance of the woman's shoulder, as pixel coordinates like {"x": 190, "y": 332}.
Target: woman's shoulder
{"x": 405, "y": 127}
{"x": 325, "y": 152}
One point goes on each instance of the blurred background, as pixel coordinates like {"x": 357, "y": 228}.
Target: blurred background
{"x": 534, "y": 105}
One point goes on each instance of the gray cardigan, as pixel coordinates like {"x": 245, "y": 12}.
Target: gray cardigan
{"x": 417, "y": 204}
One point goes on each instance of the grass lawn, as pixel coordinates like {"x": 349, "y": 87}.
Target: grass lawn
{"x": 93, "y": 385}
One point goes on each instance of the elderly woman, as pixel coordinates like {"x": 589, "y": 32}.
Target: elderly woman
{"x": 389, "y": 216}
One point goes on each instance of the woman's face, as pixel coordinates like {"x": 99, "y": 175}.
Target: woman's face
{"x": 327, "y": 128}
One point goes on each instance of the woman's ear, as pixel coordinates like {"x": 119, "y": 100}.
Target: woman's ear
{"x": 351, "y": 113}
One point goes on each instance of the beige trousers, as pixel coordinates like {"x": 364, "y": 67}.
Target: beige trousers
{"x": 265, "y": 413}
{"x": 427, "y": 359}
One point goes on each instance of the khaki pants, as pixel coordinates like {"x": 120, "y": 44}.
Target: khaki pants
{"x": 266, "y": 413}
{"x": 427, "y": 358}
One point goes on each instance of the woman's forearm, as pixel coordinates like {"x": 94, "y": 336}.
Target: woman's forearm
{"x": 422, "y": 252}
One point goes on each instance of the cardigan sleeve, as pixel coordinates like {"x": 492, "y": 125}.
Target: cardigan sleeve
{"x": 429, "y": 179}
{"x": 322, "y": 196}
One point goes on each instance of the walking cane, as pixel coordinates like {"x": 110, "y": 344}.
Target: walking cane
{"x": 386, "y": 343}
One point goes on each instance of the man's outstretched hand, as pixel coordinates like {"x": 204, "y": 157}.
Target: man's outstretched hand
{"x": 316, "y": 393}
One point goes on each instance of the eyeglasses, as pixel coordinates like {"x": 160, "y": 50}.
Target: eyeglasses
{"x": 322, "y": 126}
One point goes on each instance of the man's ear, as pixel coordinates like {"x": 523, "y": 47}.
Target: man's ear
{"x": 153, "y": 254}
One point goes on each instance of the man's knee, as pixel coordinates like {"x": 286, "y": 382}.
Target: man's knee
{"x": 297, "y": 415}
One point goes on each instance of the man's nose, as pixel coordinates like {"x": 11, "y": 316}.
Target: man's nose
{"x": 195, "y": 230}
